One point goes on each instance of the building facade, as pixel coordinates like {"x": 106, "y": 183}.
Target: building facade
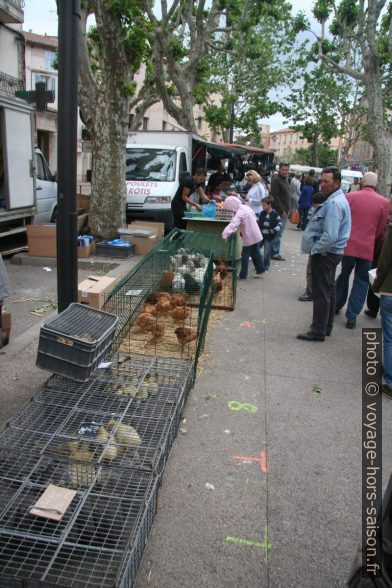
{"x": 286, "y": 141}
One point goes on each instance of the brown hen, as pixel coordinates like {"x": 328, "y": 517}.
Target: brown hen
{"x": 185, "y": 335}
{"x": 180, "y": 313}
{"x": 163, "y": 306}
{"x": 145, "y": 321}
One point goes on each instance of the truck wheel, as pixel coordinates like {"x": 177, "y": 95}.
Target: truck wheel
{"x": 53, "y": 218}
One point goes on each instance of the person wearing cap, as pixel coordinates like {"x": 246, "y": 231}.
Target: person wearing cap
{"x": 280, "y": 192}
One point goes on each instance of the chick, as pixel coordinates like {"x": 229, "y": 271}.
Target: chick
{"x": 144, "y": 321}
{"x": 185, "y": 335}
{"x": 150, "y": 309}
{"x": 180, "y": 313}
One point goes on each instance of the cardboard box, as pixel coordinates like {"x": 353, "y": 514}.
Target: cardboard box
{"x": 142, "y": 244}
{"x": 92, "y": 291}
{"x": 83, "y": 202}
{"x": 41, "y": 240}
{"x": 157, "y": 228}
{"x": 6, "y": 328}
{"x": 86, "y": 250}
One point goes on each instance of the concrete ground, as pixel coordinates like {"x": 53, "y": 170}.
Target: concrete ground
{"x": 262, "y": 487}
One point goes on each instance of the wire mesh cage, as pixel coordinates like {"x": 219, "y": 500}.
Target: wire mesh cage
{"x": 154, "y": 317}
{"x": 181, "y": 244}
{"x": 98, "y": 542}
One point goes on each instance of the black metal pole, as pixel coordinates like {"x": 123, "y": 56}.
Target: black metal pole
{"x": 67, "y": 261}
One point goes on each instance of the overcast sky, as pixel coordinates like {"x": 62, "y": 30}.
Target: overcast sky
{"x": 40, "y": 16}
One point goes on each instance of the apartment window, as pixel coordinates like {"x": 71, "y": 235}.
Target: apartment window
{"x": 49, "y": 59}
{"x": 131, "y": 118}
{"x": 50, "y": 81}
{"x": 164, "y": 125}
{"x": 199, "y": 122}
{"x": 145, "y": 123}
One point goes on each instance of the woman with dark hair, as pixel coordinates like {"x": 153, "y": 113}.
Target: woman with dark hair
{"x": 304, "y": 203}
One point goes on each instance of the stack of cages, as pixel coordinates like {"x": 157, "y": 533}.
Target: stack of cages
{"x": 108, "y": 439}
{"x": 163, "y": 313}
{"x": 183, "y": 244}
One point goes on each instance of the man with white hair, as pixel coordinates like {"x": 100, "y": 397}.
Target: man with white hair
{"x": 369, "y": 214}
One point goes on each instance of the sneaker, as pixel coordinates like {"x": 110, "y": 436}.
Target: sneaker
{"x": 278, "y": 258}
{"x": 258, "y": 276}
{"x": 351, "y": 324}
{"x": 387, "y": 391}
{"x": 305, "y": 298}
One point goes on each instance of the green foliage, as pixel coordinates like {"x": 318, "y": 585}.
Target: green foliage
{"x": 317, "y": 108}
{"x": 256, "y": 60}
{"x": 305, "y": 156}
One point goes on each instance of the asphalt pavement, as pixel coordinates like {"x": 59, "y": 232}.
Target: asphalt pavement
{"x": 262, "y": 487}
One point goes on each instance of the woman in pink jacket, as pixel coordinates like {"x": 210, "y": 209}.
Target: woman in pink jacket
{"x": 245, "y": 222}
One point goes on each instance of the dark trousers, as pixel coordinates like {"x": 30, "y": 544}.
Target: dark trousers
{"x": 254, "y": 252}
{"x": 323, "y": 291}
{"x": 372, "y": 302}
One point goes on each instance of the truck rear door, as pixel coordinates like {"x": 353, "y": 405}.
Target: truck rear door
{"x": 17, "y": 156}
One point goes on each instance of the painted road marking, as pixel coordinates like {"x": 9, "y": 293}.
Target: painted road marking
{"x": 237, "y": 406}
{"x": 262, "y": 460}
{"x": 265, "y": 545}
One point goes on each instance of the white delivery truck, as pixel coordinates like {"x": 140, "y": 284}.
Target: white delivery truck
{"x": 28, "y": 191}
{"x": 348, "y": 176}
{"x": 156, "y": 162}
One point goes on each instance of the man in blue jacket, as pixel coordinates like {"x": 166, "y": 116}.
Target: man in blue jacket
{"x": 324, "y": 239}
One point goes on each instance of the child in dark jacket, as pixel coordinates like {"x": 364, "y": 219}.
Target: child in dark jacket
{"x": 270, "y": 224}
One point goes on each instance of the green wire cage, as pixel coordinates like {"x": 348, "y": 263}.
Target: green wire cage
{"x": 162, "y": 313}
{"x": 179, "y": 243}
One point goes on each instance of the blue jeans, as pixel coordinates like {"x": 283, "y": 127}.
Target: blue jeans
{"x": 275, "y": 243}
{"x": 266, "y": 246}
{"x": 254, "y": 252}
{"x": 359, "y": 289}
{"x": 386, "y": 324}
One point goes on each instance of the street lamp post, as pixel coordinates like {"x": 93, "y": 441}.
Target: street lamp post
{"x": 67, "y": 266}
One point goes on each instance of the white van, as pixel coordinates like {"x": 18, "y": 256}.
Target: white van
{"x": 156, "y": 162}
{"x": 28, "y": 191}
{"x": 46, "y": 191}
{"x": 348, "y": 176}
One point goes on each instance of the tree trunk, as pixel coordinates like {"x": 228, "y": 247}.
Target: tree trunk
{"x": 380, "y": 138}
{"x": 108, "y": 188}
{"x": 105, "y": 108}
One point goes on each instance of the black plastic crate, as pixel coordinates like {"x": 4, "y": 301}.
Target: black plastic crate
{"x": 73, "y": 343}
{"x": 103, "y": 248}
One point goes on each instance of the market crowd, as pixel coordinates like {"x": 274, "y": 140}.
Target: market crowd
{"x": 349, "y": 229}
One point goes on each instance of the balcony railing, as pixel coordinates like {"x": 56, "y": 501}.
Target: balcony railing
{"x": 9, "y": 84}
{"x": 11, "y": 11}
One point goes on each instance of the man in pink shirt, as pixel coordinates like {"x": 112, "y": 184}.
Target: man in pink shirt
{"x": 369, "y": 213}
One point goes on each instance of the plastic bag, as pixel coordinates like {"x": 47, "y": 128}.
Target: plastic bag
{"x": 209, "y": 209}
